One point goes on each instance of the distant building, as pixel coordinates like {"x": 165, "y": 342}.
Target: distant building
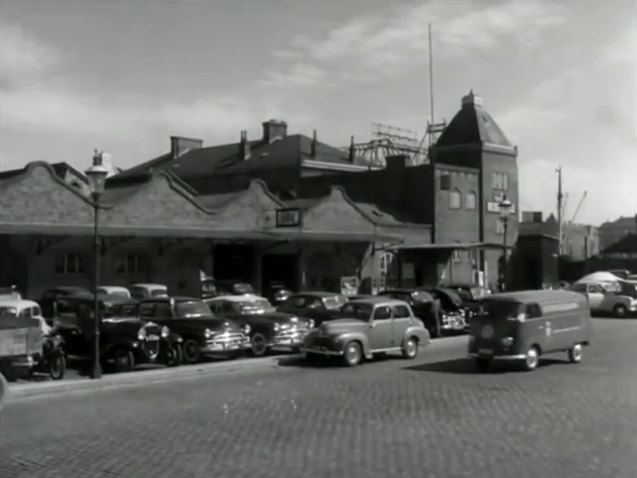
{"x": 580, "y": 241}
{"x": 535, "y": 261}
{"x": 612, "y": 231}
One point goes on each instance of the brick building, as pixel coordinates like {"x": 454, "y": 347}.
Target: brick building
{"x": 282, "y": 207}
{"x": 612, "y": 231}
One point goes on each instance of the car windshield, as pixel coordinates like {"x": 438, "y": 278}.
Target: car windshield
{"x": 500, "y": 309}
{"x": 355, "y": 310}
{"x": 184, "y": 310}
{"x": 255, "y": 306}
{"x": 405, "y": 296}
{"x": 334, "y": 302}
{"x": 8, "y": 312}
{"x": 159, "y": 293}
{"x": 242, "y": 288}
{"x": 120, "y": 310}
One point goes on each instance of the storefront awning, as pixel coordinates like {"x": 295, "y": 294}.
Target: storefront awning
{"x": 447, "y": 246}
{"x": 196, "y": 233}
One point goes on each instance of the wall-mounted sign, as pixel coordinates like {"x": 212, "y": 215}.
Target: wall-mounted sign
{"x": 349, "y": 285}
{"x": 289, "y": 217}
{"x": 494, "y": 206}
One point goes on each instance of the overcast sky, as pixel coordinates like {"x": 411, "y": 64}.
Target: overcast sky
{"x": 559, "y": 76}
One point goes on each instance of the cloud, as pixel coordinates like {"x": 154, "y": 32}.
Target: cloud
{"x": 22, "y": 57}
{"x": 393, "y": 41}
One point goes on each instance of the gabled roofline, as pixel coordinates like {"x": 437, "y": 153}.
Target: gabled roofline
{"x": 478, "y": 146}
{"x": 22, "y": 173}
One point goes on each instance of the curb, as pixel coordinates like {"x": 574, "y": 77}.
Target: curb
{"x": 17, "y": 392}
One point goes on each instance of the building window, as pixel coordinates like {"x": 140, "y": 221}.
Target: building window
{"x": 457, "y": 255}
{"x": 384, "y": 263}
{"x": 500, "y": 181}
{"x": 70, "y": 264}
{"x": 470, "y": 201}
{"x": 129, "y": 264}
{"x": 445, "y": 181}
{"x": 455, "y": 199}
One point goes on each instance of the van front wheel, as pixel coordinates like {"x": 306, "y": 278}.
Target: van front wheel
{"x": 532, "y": 359}
{"x": 575, "y": 353}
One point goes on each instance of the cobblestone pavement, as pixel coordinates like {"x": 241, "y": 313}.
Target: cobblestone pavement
{"x": 432, "y": 417}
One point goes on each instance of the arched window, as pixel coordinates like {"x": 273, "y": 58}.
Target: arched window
{"x": 455, "y": 199}
{"x": 470, "y": 200}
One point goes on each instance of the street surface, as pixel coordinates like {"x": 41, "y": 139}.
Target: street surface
{"x": 432, "y": 417}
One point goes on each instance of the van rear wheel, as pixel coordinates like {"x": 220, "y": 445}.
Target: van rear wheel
{"x": 575, "y": 353}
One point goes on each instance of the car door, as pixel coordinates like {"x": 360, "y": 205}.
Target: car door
{"x": 401, "y": 320}
{"x": 381, "y": 331}
{"x": 595, "y": 294}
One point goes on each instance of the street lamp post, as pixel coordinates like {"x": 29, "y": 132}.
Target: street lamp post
{"x": 96, "y": 175}
{"x": 505, "y": 209}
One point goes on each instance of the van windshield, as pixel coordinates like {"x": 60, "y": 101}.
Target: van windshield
{"x": 500, "y": 309}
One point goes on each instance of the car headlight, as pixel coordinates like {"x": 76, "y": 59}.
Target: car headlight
{"x": 246, "y": 329}
{"x": 208, "y": 334}
{"x": 311, "y": 324}
{"x": 141, "y": 335}
{"x": 277, "y": 327}
{"x": 165, "y": 332}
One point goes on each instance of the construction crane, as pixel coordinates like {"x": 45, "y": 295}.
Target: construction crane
{"x": 579, "y": 205}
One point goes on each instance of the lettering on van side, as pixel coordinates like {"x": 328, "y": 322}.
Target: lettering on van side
{"x": 559, "y": 307}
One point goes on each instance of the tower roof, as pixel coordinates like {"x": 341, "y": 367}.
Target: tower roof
{"x": 472, "y": 124}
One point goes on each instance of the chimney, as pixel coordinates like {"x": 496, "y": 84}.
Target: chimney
{"x": 471, "y": 100}
{"x": 352, "y": 150}
{"x": 244, "y": 146}
{"x": 180, "y": 145}
{"x": 313, "y": 153}
{"x": 273, "y": 130}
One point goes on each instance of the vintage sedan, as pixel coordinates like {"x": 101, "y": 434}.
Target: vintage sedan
{"x": 318, "y": 306}
{"x": 269, "y": 330}
{"x": 143, "y": 291}
{"x": 603, "y": 300}
{"x": 125, "y": 340}
{"x": 368, "y": 326}
{"x": 50, "y": 296}
{"x": 423, "y": 304}
{"x": 204, "y": 333}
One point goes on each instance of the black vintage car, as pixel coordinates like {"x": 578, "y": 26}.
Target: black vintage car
{"x": 471, "y": 295}
{"x": 269, "y": 330}
{"x": 51, "y": 295}
{"x": 125, "y": 340}
{"x": 424, "y": 305}
{"x": 452, "y": 309}
{"x": 204, "y": 334}
{"x": 318, "y": 306}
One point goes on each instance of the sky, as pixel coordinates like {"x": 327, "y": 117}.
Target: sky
{"x": 558, "y": 76}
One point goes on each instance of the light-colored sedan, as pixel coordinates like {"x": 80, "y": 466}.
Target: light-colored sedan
{"x": 605, "y": 301}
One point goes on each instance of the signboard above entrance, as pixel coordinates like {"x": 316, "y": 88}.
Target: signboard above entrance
{"x": 289, "y": 217}
{"x": 494, "y": 206}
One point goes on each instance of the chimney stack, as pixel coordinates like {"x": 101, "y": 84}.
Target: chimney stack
{"x": 352, "y": 150}
{"x": 244, "y": 146}
{"x": 273, "y": 130}
{"x": 313, "y": 153}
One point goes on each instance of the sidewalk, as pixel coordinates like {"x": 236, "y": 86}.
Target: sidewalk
{"x": 25, "y": 390}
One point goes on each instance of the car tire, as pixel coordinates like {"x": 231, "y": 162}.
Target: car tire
{"x": 410, "y": 349}
{"x": 531, "y": 359}
{"x": 482, "y": 364}
{"x": 191, "y": 351}
{"x": 575, "y": 353}
{"x": 258, "y": 345}
{"x": 620, "y": 311}
{"x": 123, "y": 360}
{"x": 174, "y": 355}
{"x": 353, "y": 354}
{"x": 57, "y": 366}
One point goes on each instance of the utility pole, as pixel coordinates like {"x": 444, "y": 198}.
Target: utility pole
{"x": 431, "y": 84}
{"x": 559, "y": 210}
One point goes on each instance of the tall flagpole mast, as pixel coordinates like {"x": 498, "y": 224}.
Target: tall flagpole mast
{"x": 431, "y": 83}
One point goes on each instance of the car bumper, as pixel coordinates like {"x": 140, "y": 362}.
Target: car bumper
{"x": 486, "y": 356}
{"x": 322, "y": 351}
{"x": 231, "y": 343}
{"x": 287, "y": 341}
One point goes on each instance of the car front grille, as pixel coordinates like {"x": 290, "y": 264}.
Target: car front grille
{"x": 151, "y": 347}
